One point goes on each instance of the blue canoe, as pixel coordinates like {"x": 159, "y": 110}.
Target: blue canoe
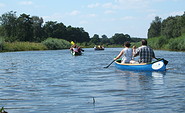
{"x": 159, "y": 65}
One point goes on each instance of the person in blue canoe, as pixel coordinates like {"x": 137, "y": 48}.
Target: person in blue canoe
{"x": 126, "y": 52}
{"x": 144, "y": 52}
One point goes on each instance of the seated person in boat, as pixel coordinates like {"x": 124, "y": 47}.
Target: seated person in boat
{"x": 101, "y": 47}
{"x": 76, "y": 48}
{"x": 144, "y": 52}
{"x": 127, "y": 53}
{"x": 133, "y": 52}
{"x": 98, "y": 47}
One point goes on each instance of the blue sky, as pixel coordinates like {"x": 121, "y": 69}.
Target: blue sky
{"x": 100, "y": 17}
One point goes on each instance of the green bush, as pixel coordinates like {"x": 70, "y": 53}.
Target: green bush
{"x": 54, "y": 43}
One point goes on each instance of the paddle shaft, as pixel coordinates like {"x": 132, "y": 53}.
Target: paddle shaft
{"x": 109, "y": 64}
{"x": 165, "y": 61}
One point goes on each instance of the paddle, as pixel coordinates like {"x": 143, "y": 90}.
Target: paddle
{"x": 109, "y": 64}
{"x": 165, "y": 61}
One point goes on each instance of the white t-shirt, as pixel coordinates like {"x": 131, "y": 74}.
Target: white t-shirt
{"x": 127, "y": 55}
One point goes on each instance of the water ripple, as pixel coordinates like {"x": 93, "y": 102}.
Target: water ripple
{"x": 56, "y": 81}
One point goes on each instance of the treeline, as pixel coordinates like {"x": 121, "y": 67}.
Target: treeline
{"x": 26, "y": 28}
{"x": 162, "y": 34}
{"x": 33, "y": 29}
{"x": 168, "y": 33}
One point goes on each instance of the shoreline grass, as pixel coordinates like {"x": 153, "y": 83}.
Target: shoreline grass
{"x": 22, "y": 46}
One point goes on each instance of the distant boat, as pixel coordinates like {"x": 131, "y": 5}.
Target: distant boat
{"x": 99, "y": 47}
{"x": 74, "y": 53}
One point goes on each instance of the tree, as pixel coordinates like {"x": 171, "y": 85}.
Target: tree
{"x": 104, "y": 40}
{"x": 38, "y": 33}
{"x": 155, "y": 28}
{"x": 25, "y": 28}
{"x": 171, "y": 28}
{"x": 77, "y": 34}
{"x": 183, "y": 23}
{"x": 59, "y": 31}
{"x": 95, "y": 39}
{"x": 49, "y": 28}
{"x": 8, "y": 24}
{"x": 120, "y": 38}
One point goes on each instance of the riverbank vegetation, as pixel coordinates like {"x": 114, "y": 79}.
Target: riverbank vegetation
{"x": 174, "y": 44}
{"x": 22, "y": 46}
{"x": 54, "y": 43}
{"x": 25, "y": 32}
{"x": 168, "y": 34}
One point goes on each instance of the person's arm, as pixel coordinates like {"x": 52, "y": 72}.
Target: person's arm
{"x": 120, "y": 54}
{"x": 136, "y": 53}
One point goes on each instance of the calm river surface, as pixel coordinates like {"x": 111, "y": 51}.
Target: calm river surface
{"x": 57, "y": 82}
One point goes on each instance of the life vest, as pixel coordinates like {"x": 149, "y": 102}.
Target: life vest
{"x": 75, "y": 49}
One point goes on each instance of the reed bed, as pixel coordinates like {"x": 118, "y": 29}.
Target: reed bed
{"x": 22, "y": 46}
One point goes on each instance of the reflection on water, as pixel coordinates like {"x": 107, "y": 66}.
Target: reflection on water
{"x": 156, "y": 77}
{"x": 145, "y": 79}
{"x": 56, "y": 81}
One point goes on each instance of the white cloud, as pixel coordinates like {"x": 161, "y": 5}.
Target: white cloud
{"x": 83, "y": 22}
{"x": 53, "y": 17}
{"x": 127, "y": 18}
{"x": 132, "y": 4}
{"x": 179, "y": 13}
{"x": 110, "y": 5}
{"x": 2, "y": 5}
{"x": 93, "y": 5}
{"x": 91, "y": 15}
{"x": 151, "y": 16}
{"x": 26, "y": 3}
{"x": 74, "y": 13}
{"x": 109, "y": 12}
{"x": 158, "y": 0}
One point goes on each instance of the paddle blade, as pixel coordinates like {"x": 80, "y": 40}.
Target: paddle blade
{"x": 165, "y": 62}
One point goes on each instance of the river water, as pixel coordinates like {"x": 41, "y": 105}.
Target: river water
{"x": 57, "y": 82}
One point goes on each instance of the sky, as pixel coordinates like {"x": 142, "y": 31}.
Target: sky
{"x": 102, "y": 17}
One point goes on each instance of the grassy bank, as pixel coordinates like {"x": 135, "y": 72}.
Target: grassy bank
{"x": 173, "y": 44}
{"x": 48, "y": 44}
{"x": 22, "y": 46}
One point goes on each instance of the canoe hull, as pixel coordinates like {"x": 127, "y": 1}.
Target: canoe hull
{"x": 156, "y": 66}
{"x": 76, "y": 53}
{"x": 98, "y": 48}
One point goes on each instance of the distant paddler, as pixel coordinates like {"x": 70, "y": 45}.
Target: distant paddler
{"x": 75, "y": 48}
